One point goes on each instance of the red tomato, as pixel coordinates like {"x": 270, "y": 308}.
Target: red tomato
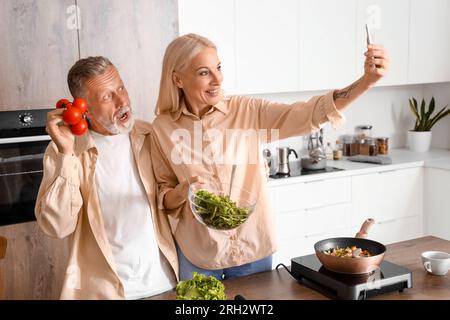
{"x": 62, "y": 103}
{"x": 80, "y": 128}
{"x": 80, "y": 104}
{"x": 72, "y": 115}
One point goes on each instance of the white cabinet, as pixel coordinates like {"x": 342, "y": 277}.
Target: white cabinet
{"x": 306, "y": 212}
{"x": 429, "y": 41}
{"x": 327, "y": 44}
{"x": 301, "y": 245}
{"x": 437, "y": 203}
{"x": 395, "y": 230}
{"x": 214, "y": 19}
{"x": 301, "y": 45}
{"x": 389, "y": 24}
{"x": 311, "y": 194}
{"x": 266, "y": 46}
{"x": 387, "y": 195}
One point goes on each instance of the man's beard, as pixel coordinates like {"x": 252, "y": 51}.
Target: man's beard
{"x": 114, "y": 127}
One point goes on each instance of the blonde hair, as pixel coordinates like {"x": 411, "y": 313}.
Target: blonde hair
{"x": 177, "y": 57}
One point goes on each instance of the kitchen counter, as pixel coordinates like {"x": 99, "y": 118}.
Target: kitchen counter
{"x": 276, "y": 285}
{"x": 401, "y": 159}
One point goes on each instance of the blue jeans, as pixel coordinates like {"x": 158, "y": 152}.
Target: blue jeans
{"x": 186, "y": 268}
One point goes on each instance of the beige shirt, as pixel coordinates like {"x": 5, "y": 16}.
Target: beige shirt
{"x": 68, "y": 206}
{"x": 187, "y": 146}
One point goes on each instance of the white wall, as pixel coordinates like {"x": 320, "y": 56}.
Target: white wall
{"x": 385, "y": 108}
{"x": 441, "y": 131}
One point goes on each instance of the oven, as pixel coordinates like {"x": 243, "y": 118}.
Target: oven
{"x": 23, "y": 141}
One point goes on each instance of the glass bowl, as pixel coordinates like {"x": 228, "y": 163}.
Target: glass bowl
{"x": 218, "y": 207}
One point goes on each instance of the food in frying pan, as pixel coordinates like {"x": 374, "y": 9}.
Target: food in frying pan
{"x": 348, "y": 252}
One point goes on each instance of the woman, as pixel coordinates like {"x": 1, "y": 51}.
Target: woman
{"x": 201, "y": 134}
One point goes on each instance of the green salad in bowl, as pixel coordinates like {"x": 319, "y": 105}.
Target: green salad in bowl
{"x": 201, "y": 287}
{"x": 220, "y": 207}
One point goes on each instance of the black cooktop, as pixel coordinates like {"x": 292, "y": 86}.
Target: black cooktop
{"x": 390, "y": 277}
{"x": 295, "y": 172}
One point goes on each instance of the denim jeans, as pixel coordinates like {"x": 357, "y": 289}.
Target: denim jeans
{"x": 186, "y": 268}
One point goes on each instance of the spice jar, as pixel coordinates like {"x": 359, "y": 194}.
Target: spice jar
{"x": 337, "y": 152}
{"x": 368, "y": 147}
{"x": 383, "y": 145}
{"x": 351, "y": 146}
{"x": 363, "y": 132}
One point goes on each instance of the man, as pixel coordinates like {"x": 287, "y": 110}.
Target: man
{"x": 99, "y": 189}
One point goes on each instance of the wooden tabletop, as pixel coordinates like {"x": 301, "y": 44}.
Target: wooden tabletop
{"x": 276, "y": 285}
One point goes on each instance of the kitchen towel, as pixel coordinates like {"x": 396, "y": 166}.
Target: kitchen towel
{"x": 371, "y": 159}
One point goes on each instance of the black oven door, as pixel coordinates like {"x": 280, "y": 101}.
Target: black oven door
{"x": 20, "y": 177}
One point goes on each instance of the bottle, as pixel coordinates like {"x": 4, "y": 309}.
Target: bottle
{"x": 337, "y": 152}
{"x": 329, "y": 151}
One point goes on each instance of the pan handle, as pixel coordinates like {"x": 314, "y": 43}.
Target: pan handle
{"x": 365, "y": 228}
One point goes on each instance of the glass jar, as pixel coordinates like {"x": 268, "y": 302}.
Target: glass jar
{"x": 350, "y": 146}
{"x": 363, "y": 132}
{"x": 383, "y": 145}
{"x": 337, "y": 152}
{"x": 368, "y": 147}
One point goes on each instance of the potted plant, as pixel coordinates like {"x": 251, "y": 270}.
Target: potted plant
{"x": 419, "y": 139}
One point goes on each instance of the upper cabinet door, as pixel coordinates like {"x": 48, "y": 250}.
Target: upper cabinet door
{"x": 134, "y": 36}
{"x": 266, "y": 46}
{"x": 213, "y": 19}
{"x": 38, "y": 46}
{"x": 389, "y": 24}
{"x": 429, "y": 41}
{"x": 327, "y": 44}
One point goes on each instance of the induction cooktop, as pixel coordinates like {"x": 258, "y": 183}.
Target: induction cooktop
{"x": 295, "y": 172}
{"x": 389, "y": 277}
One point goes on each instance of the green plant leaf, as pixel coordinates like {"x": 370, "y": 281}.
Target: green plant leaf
{"x": 440, "y": 115}
{"x": 422, "y": 115}
{"x": 413, "y": 107}
{"x": 429, "y": 112}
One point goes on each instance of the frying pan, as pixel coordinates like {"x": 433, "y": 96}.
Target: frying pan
{"x": 352, "y": 265}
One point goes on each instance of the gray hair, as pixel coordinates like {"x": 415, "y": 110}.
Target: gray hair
{"x": 83, "y": 70}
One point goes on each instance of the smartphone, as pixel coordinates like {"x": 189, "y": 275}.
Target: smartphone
{"x": 368, "y": 35}
{"x": 369, "y": 40}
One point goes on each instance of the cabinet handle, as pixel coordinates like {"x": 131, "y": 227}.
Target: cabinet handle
{"x": 388, "y": 171}
{"x": 314, "y": 234}
{"x": 386, "y": 221}
{"x": 313, "y": 181}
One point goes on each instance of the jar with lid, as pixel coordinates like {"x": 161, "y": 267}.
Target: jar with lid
{"x": 368, "y": 147}
{"x": 350, "y": 146}
{"x": 337, "y": 152}
{"x": 383, "y": 145}
{"x": 363, "y": 132}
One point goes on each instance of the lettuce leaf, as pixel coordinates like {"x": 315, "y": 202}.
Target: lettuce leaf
{"x": 201, "y": 287}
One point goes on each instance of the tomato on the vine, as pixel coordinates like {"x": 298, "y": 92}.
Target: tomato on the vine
{"x": 62, "y": 103}
{"x": 80, "y": 128}
{"x": 72, "y": 115}
{"x": 80, "y": 104}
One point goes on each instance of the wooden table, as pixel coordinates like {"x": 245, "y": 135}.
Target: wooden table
{"x": 275, "y": 285}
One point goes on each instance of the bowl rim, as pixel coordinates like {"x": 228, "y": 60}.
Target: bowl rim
{"x": 192, "y": 194}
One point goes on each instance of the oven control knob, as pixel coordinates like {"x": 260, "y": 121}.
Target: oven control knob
{"x": 26, "y": 119}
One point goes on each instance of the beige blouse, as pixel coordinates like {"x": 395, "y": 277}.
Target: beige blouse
{"x": 229, "y": 133}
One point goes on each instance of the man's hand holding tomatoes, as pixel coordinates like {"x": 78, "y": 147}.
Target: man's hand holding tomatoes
{"x": 65, "y": 122}
{"x": 60, "y": 131}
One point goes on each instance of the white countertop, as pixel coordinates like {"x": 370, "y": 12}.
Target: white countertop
{"x": 401, "y": 159}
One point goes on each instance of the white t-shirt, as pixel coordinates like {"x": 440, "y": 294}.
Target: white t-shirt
{"x": 142, "y": 268}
